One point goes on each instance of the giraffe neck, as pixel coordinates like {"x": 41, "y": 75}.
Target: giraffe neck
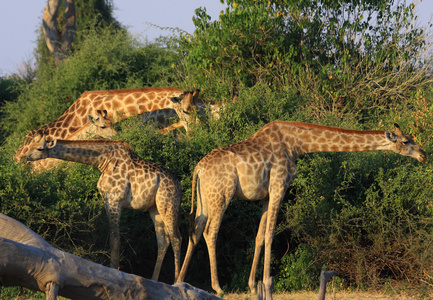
{"x": 94, "y": 153}
{"x": 309, "y": 138}
{"x": 122, "y": 104}
{"x": 119, "y": 104}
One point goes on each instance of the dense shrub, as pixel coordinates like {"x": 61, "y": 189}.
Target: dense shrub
{"x": 367, "y": 215}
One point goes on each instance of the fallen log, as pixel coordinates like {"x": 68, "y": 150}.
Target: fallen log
{"x": 29, "y": 261}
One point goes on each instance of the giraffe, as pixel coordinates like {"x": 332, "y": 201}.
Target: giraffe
{"x": 119, "y": 104}
{"x": 99, "y": 127}
{"x": 163, "y": 119}
{"x": 262, "y": 167}
{"x": 126, "y": 181}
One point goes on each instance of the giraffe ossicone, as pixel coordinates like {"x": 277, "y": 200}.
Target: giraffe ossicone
{"x": 262, "y": 167}
{"x": 126, "y": 181}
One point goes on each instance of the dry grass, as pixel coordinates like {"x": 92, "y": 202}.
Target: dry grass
{"x": 341, "y": 295}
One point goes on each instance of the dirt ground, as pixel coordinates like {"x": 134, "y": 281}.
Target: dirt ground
{"x": 342, "y": 295}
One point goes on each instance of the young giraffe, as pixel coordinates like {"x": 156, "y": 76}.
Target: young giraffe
{"x": 163, "y": 119}
{"x": 119, "y": 104}
{"x": 99, "y": 127}
{"x": 127, "y": 181}
{"x": 263, "y": 167}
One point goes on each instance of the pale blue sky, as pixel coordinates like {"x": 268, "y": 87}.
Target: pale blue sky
{"x": 19, "y": 21}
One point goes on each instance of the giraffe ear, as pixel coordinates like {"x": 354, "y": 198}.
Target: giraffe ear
{"x": 397, "y": 130}
{"x": 38, "y": 137}
{"x": 51, "y": 144}
{"x": 195, "y": 95}
{"x": 92, "y": 119}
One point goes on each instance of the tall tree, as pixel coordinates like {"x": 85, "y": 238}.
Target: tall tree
{"x": 59, "y": 40}
{"x": 340, "y": 52}
{"x": 65, "y": 25}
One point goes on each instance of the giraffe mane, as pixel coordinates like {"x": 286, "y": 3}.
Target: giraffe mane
{"x": 81, "y": 142}
{"x": 124, "y": 91}
{"x": 330, "y": 128}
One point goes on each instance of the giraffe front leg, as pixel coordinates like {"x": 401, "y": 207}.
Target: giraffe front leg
{"x": 277, "y": 190}
{"x": 113, "y": 212}
{"x": 260, "y": 238}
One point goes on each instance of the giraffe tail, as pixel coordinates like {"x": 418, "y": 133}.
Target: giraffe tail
{"x": 191, "y": 213}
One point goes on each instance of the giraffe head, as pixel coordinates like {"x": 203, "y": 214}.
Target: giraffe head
{"x": 29, "y": 140}
{"x": 100, "y": 126}
{"x": 184, "y": 105}
{"x": 39, "y": 149}
{"x": 405, "y": 145}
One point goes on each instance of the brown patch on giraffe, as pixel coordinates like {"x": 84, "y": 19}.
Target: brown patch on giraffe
{"x": 81, "y": 111}
{"x": 129, "y": 100}
{"x": 116, "y": 104}
{"x": 63, "y": 133}
{"x": 313, "y": 147}
{"x": 275, "y": 136}
{"x": 97, "y": 102}
{"x": 84, "y": 102}
{"x": 360, "y": 140}
{"x": 356, "y": 148}
{"x": 305, "y": 137}
{"x": 334, "y": 148}
{"x": 108, "y": 106}
{"x": 152, "y": 96}
{"x": 329, "y": 134}
{"x": 346, "y": 148}
{"x": 322, "y": 140}
{"x": 132, "y": 110}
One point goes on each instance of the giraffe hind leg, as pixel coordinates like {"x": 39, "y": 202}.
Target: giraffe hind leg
{"x": 194, "y": 237}
{"x": 171, "y": 227}
{"x": 161, "y": 238}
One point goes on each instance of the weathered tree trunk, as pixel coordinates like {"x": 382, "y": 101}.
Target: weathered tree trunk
{"x": 29, "y": 261}
{"x": 325, "y": 276}
{"x": 59, "y": 41}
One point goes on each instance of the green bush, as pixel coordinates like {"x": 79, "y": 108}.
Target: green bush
{"x": 298, "y": 270}
{"x": 367, "y": 215}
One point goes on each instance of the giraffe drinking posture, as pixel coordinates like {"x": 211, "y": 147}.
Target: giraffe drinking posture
{"x": 127, "y": 181}
{"x": 263, "y": 167}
